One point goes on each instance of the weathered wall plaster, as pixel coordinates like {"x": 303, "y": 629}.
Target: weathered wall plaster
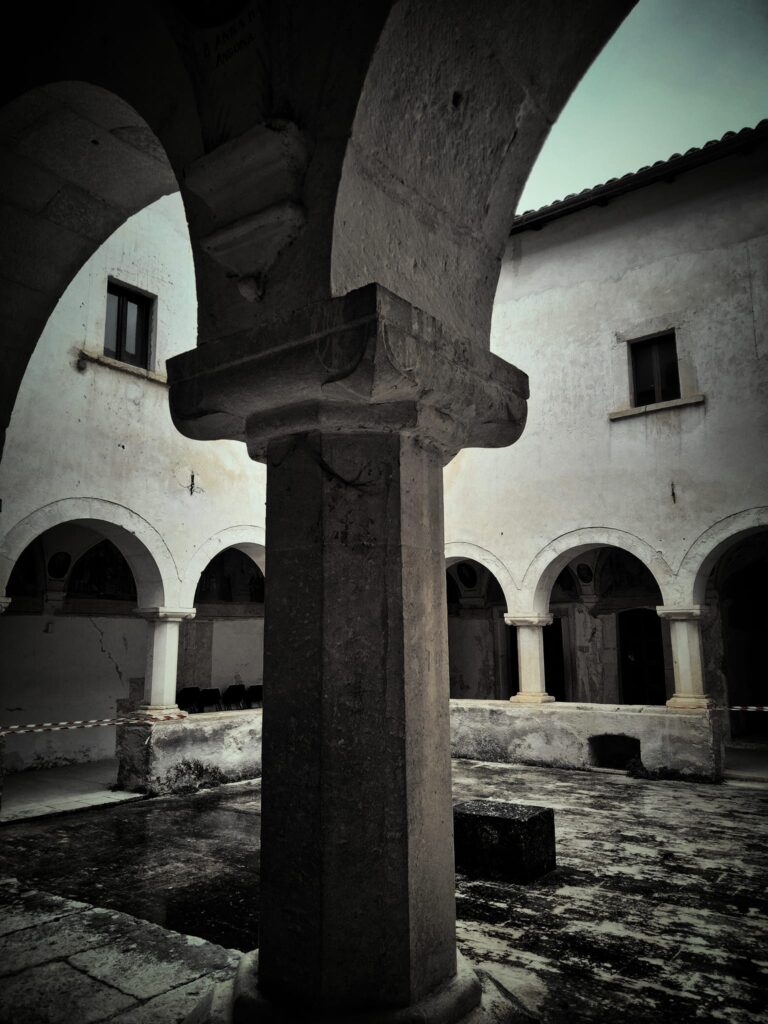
{"x": 66, "y": 668}
{"x": 210, "y": 749}
{"x": 684, "y": 744}
{"x": 197, "y": 752}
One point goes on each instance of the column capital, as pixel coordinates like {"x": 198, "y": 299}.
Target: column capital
{"x": 529, "y": 620}
{"x": 4, "y": 604}
{"x": 691, "y": 614}
{"x": 161, "y": 614}
{"x": 368, "y": 361}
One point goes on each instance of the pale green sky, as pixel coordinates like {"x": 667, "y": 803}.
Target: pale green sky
{"x": 676, "y": 74}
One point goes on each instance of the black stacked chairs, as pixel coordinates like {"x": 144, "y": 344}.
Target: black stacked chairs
{"x": 210, "y": 698}
{"x": 188, "y": 699}
{"x": 234, "y": 697}
{"x": 254, "y": 695}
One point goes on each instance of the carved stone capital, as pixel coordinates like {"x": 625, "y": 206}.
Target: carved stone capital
{"x": 692, "y": 614}
{"x": 529, "y": 620}
{"x": 365, "y": 362}
{"x": 166, "y": 614}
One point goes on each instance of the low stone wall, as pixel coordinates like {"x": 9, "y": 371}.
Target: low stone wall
{"x": 193, "y": 753}
{"x": 684, "y": 744}
{"x": 210, "y": 749}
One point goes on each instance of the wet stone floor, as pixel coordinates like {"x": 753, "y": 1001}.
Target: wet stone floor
{"x": 655, "y": 913}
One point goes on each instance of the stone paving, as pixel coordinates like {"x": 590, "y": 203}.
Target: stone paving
{"x": 655, "y": 913}
{"x": 65, "y": 961}
{"x": 30, "y": 793}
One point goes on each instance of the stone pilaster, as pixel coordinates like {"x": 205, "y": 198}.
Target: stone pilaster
{"x": 687, "y": 659}
{"x": 530, "y": 658}
{"x": 355, "y": 406}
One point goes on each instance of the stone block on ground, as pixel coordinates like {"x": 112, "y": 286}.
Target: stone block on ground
{"x": 502, "y": 841}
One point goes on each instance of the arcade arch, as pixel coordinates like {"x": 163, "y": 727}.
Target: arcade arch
{"x": 81, "y": 161}
{"x": 74, "y": 646}
{"x": 733, "y": 617}
{"x": 223, "y": 645}
{"x": 595, "y": 636}
{"x": 482, "y": 655}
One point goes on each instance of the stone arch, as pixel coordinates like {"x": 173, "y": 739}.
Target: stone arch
{"x": 248, "y": 539}
{"x": 455, "y": 551}
{"x": 81, "y": 161}
{"x": 709, "y": 546}
{"x": 544, "y": 569}
{"x": 452, "y": 114}
{"x": 151, "y": 562}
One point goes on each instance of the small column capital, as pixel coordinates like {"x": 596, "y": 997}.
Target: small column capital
{"x": 4, "y": 603}
{"x": 529, "y": 620}
{"x": 691, "y": 614}
{"x": 161, "y": 614}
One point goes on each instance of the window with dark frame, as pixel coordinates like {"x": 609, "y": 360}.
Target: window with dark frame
{"x": 126, "y": 332}
{"x": 655, "y": 377}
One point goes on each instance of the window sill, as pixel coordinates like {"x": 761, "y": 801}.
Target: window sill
{"x": 641, "y": 410}
{"x": 84, "y": 356}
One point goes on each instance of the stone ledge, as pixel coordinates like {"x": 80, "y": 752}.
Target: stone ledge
{"x": 684, "y": 743}
{"x": 197, "y": 752}
{"x": 641, "y": 410}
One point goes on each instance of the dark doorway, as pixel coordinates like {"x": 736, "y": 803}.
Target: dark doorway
{"x": 554, "y": 661}
{"x": 641, "y": 657}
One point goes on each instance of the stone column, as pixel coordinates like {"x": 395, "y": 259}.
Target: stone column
{"x": 530, "y": 658}
{"x": 4, "y": 604}
{"x": 162, "y": 657}
{"x": 687, "y": 660}
{"x": 355, "y": 407}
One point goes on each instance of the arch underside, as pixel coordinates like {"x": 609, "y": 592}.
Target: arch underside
{"x": 400, "y": 166}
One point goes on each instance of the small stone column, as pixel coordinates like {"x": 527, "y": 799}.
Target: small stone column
{"x": 530, "y": 658}
{"x": 687, "y": 659}
{"x": 355, "y": 406}
{"x": 162, "y": 657}
{"x": 4, "y": 604}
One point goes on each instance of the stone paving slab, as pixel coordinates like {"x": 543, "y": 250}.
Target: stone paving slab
{"x": 65, "y": 962}
{"x": 56, "y": 993}
{"x": 21, "y": 908}
{"x": 656, "y": 914}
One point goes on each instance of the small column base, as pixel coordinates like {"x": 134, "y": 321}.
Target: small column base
{"x": 689, "y": 702}
{"x": 152, "y": 710}
{"x": 239, "y": 1002}
{"x": 531, "y": 698}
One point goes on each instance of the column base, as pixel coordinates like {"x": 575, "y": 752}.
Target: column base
{"x": 689, "y": 702}
{"x": 151, "y": 710}
{"x": 531, "y": 698}
{"x": 239, "y": 1002}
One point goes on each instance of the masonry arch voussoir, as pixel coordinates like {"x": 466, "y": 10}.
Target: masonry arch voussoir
{"x": 708, "y": 548}
{"x": 540, "y": 576}
{"x": 456, "y": 551}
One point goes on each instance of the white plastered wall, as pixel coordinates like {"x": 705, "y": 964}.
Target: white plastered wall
{"x": 87, "y": 436}
{"x": 676, "y": 255}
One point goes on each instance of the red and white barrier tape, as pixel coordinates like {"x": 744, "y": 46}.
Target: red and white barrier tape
{"x": 88, "y": 723}
{"x": 749, "y": 707}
